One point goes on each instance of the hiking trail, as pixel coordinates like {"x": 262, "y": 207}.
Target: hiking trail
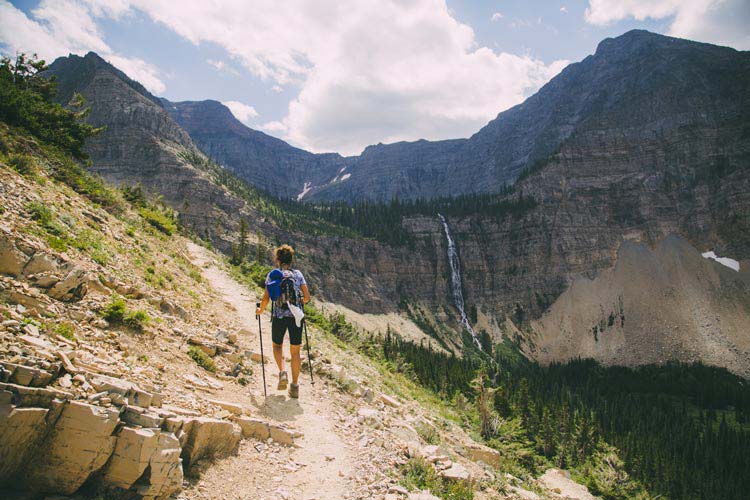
{"x": 321, "y": 467}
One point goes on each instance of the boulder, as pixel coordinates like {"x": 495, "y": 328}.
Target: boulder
{"x": 282, "y": 435}
{"x": 164, "y": 475}
{"x": 370, "y": 416}
{"x": 132, "y": 455}
{"x": 103, "y": 383}
{"x": 71, "y": 288}
{"x": 12, "y": 260}
{"x": 456, "y": 472}
{"x": 255, "y": 356}
{"x": 204, "y": 437}
{"x": 523, "y": 494}
{"x": 34, "y": 396}
{"x": 479, "y": 453}
{"x": 253, "y": 427}
{"x": 21, "y": 430}
{"x": 79, "y": 446}
{"x": 41, "y": 263}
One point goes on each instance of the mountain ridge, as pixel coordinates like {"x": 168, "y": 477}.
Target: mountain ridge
{"x": 523, "y": 135}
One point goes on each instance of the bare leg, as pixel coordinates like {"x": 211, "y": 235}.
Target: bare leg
{"x": 296, "y": 362}
{"x": 278, "y": 355}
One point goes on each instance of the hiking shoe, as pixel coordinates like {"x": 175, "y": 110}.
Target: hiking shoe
{"x": 294, "y": 391}
{"x": 283, "y": 380}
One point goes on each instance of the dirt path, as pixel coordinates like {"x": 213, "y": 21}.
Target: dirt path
{"x": 320, "y": 468}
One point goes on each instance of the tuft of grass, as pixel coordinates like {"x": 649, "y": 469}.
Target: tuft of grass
{"x": 65, "y": 330}
{"x": 428, "y": 432}
{"x": 202, "y": 359}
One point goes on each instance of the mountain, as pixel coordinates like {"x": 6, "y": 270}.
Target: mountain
{"x": 262, "y": 160}
{"x": 644, "y": 84}
{"x": 645, "y": 144}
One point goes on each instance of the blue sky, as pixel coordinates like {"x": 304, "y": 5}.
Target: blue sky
{"x": 337, "y": 76}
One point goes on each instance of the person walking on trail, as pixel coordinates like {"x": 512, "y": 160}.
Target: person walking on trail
{"x": 287, "y": 290}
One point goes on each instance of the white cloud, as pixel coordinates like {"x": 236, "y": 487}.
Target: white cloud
{"x": 274, "y": 128}
{"x": 219, "y": 65}
{"x": 241, "y": 111}
{"x": 277, "y": 88}
{"x": 723, "y": 22}
{"x": 497, "y": 16}
{"x": 563, "y": 9}
{"x": 61, "y": 27}
{"x": 367, "y": 71}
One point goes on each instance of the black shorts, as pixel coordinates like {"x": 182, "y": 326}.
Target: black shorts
{"x": 279, "y": 326}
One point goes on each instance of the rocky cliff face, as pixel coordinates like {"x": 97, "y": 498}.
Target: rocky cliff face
{"x": 141, "y": 143}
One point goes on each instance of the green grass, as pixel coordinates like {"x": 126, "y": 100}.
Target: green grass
{"x": 136, "y": 320}
{"x": 163, "y": 221}
{"x": 201, "y": 358}
{"x": 65, "y": 330}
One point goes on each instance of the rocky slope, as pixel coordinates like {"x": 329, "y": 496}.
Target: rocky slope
{"x": 642, "y": 84}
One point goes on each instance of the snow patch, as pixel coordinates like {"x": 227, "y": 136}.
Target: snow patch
{"x": 305, "y": 190}
{"x": 726, "y": 261}
{"x": 345, "y": 176}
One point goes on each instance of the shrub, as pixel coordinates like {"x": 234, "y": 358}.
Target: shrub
{"x": 163, "y": 221}
{"x": 40, "y": 213}
{"x": 136, "y": 319}
{"x": 23, "y": 164}
{"x": 201, "y": 358}
{"x": 114, "y": 312}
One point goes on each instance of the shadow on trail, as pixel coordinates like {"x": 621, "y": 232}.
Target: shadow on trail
{"x": 278, "y": 407}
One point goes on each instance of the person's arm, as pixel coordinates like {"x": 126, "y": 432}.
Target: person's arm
{"x": 305, "y": 294}
{"x": 263, "y": 303}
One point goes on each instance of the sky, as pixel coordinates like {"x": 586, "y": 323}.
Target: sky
{"x": 332, "y": 75}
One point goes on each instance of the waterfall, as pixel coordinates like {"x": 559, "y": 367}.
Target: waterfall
{"x": 458, "y": 294}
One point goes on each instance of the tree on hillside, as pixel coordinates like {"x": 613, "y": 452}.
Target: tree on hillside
{"x": 26, "y": 101}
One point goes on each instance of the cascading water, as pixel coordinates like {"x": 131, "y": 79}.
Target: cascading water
{"x": 458, "y": 294}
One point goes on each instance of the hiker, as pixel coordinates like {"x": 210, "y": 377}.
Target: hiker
{"x": 290, "y": 292}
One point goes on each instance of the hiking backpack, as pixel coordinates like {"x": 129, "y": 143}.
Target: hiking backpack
{"x": 288, "y": 293}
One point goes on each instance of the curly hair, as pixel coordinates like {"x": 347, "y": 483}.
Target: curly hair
{"x": 285, "y": 254}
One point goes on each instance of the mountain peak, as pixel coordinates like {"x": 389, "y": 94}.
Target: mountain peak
{"x": 73, "y": 72}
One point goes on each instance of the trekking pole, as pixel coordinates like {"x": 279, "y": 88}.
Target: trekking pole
{"x": 309, "y": 358}
{"x": 262, "y": 356}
